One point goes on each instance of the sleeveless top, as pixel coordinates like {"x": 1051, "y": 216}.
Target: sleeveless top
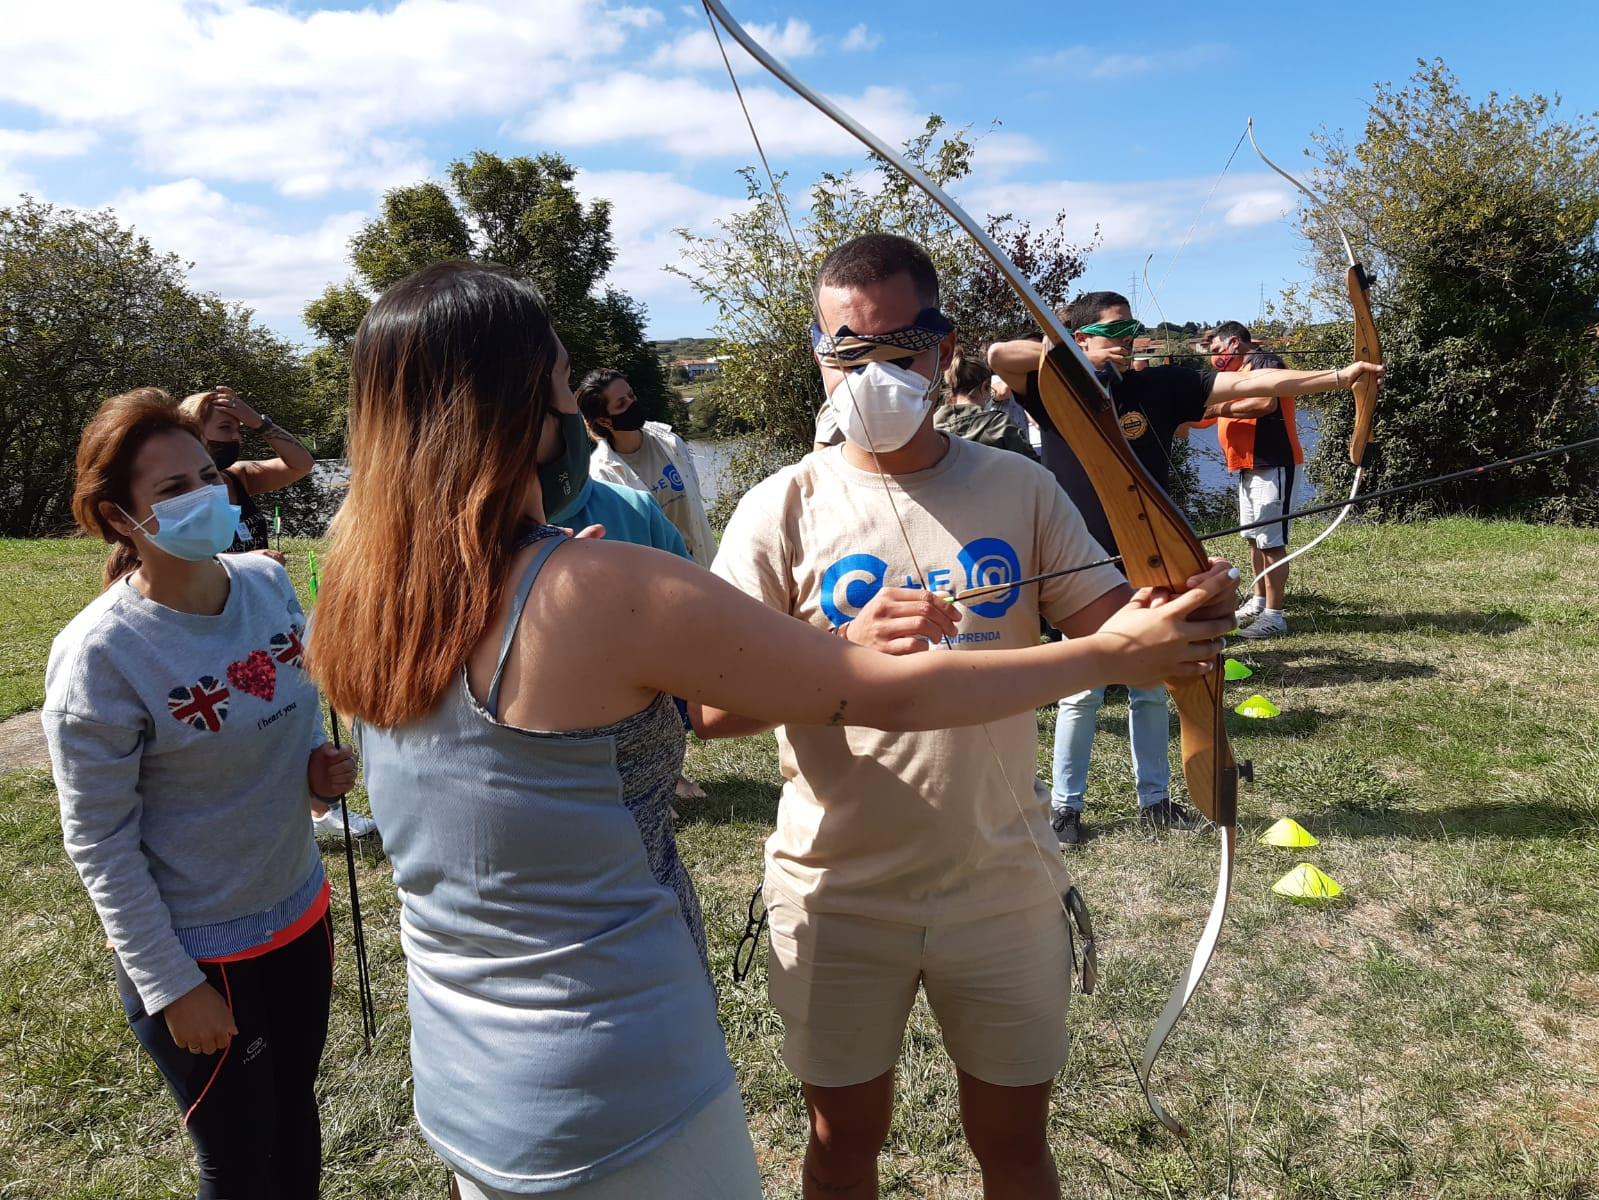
{"x": 255, "y": 527}
{"x": 562, "y": 1020}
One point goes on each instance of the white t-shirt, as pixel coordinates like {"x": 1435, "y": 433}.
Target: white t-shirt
{"x": 917, "y": 827}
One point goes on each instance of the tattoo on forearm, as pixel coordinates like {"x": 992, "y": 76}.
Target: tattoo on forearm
{"x": 838, "y": 717}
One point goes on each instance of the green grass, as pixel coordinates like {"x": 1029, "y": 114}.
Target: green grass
{"x": 1435, "y": 1033}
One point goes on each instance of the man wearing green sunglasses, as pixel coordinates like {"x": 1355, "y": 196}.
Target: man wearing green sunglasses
{"x": 1150, "y": 405}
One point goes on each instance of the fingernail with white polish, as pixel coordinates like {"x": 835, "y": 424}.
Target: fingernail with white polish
{"x": 1233, "y": 574}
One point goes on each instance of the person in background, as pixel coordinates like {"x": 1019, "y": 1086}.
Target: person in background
{"x": 969, "y": 411}
{"x": 185, "y": 738}
{"x": 222, "y": 414}
{"x": 1264, "y": 451}
{"x": 623, "y": 514}
{"x": 514, "y": 716}
{"x": 645, "y": 455}
{"x": 1150, "y": 405}
{"x": 1005, "y": 400}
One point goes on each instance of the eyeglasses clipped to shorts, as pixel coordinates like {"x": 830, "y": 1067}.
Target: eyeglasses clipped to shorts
{"x": 1085, "y": 956}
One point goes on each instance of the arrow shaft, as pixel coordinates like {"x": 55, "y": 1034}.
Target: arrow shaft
{"x": 1400, "y": 489}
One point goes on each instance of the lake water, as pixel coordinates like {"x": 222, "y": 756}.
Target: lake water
{"x": 711, "y": 459}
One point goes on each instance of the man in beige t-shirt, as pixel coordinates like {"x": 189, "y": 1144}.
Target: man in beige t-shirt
{"x": 913, "y": 859}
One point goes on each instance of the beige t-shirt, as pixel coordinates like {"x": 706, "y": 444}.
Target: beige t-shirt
{"x": 652, "y": 462}
{"x": 929, "y": 827}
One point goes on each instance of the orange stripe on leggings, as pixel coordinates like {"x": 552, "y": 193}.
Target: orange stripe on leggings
{"x": 228, "y": 988}
{"x": 327, "y": 928}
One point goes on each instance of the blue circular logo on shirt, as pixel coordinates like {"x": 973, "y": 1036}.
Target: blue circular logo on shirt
{"x": 673, "y": 478}
{"x": 849, "y": 584}
{"x": 989, "y": 562}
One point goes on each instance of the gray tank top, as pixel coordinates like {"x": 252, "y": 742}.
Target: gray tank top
{"x": 562, "y": 1019}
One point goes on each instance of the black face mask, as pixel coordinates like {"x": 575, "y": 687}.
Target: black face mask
{"x": 629, "y": 420}
{"x": 562, "y": 480}
{"x": 224, "y": 454}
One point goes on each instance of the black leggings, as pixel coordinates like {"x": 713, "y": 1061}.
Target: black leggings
{"x": 251, "y": 1109}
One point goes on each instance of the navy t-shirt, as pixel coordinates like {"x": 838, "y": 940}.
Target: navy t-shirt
{"x": 1150, "y": 405}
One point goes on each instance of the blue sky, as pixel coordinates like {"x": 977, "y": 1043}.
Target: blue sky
{"x": 252, "y": 138}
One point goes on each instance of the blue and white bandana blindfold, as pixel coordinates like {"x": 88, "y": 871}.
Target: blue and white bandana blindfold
{"x": 847, "y": 350}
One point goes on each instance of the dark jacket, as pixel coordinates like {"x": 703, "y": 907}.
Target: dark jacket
{"x": 977, "y": 423}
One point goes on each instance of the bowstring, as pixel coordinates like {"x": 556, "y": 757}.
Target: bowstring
{"x": 1188, "y": 237}
{"x": 1194, "y": 224}
{"x": 888, "y": 492}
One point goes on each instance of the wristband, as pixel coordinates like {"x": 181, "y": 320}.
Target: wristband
{"x": 266, "y": 424}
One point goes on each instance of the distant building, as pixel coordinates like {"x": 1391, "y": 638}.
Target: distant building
{"x": 697, "y": 367}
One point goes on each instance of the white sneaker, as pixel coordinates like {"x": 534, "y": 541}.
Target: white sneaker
{"x": 329, "y": 827}
{"x": 1248, "y": 611}
{"x": 1266, "y": 625}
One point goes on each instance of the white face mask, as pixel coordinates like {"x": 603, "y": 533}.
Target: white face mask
{"x": 881, "y": 406}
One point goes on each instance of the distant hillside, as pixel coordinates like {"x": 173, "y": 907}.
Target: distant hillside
{"x": 677, "y": 348}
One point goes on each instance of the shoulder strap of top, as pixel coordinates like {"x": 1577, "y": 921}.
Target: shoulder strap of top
{"x": 514, "y": 619}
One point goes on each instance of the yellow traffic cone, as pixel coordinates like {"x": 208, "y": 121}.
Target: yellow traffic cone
{"x": 1288, "y": 832}
{"x": 1259, "y": 707}
{"x": 1305, "y": 882}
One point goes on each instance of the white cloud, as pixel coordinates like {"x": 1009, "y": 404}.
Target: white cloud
{"x": 1146, "y": 215}
{"x": 45, "y": 143}
{"x": 1088, "y": 62}
{"x": 647, "y": 209}
{"x": 247, "y": 90}
{"x": 860, "y": 38}
{"x": 696, "y": 120}
{"x": 240, "y": 251}
{"x": 19, "y": 144}
{"x": 1258, "y": 208}
{"x": 698, "y": 51}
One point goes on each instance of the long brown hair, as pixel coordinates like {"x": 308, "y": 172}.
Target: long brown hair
{"x": 449, "y": 384}
{"x": 106, "y": 453}
{"x": 967, "y": 374}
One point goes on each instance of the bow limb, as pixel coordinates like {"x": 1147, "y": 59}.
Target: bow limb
{"x": 1357, "y": 283}
{"x": 1157, "y": 536}
{"x": 1368, "y": 348}
{"x": 1159, "y": 549}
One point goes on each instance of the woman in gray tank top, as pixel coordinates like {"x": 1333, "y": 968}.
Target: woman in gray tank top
{"x": 513, "y": 691}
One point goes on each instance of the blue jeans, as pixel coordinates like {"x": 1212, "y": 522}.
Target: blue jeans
{"x": 1148, "y": 729}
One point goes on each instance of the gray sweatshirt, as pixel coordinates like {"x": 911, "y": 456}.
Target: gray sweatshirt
{"x": 179, "y": 744}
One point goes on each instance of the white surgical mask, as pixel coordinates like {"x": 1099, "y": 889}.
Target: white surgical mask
{"x": 881, "y": 406}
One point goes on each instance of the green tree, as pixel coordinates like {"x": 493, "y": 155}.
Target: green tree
{"x": 520, "y": 212}
{"x": 89, "y": 309}
{"x": 1479, "y": 220}
{"x": 758, "y": 277}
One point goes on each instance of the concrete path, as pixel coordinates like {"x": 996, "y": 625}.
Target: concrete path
{"x": 22, "y": 743}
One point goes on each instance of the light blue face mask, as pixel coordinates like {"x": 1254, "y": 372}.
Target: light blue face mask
{"x": 195, "y": 526}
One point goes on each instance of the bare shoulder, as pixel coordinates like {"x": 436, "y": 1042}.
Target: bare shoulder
{"x": 591, "y": 578}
